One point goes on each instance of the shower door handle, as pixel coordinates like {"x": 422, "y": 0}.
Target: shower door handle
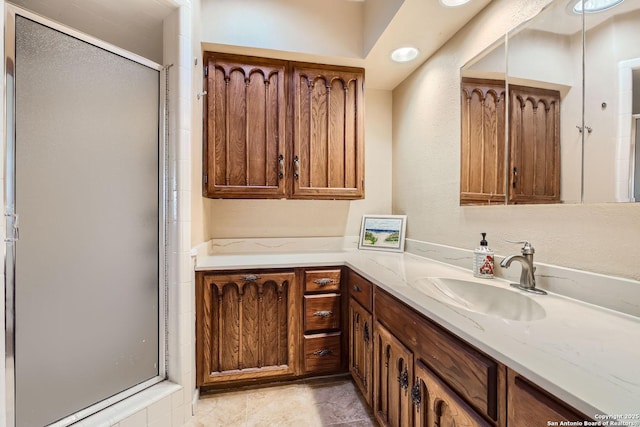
{"x": 15, "y": 226}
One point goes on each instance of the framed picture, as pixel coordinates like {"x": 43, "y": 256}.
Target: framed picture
{"x": 383, "y": 232}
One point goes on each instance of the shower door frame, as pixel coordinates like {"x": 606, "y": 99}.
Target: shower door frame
{"x": 11, "y": 222}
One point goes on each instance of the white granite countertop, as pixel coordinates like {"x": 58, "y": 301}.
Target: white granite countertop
{"x": 586, "y": 355}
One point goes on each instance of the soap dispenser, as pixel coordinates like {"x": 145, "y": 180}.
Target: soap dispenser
{"x": 483, "y": 260}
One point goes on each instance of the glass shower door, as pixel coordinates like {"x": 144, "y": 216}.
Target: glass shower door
{"x": 88, "y": 256}
{"x": 636, "y": 160}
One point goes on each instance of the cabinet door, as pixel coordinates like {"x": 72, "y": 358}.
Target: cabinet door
{"x": 393, "y": 369}
{"x": 435, "y": 404}
{"x": 328, "y": 131}
{"x": 360, "y": 348}
{"x": 534, "y": 127}
{"x": 245, "y": 129}
{"x": 529, "y": 406}
{"x": 482, "y": 178}
{"x": 245, "y": 326}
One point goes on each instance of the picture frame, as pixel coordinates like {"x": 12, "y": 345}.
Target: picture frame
{"x": 383, "y": 233}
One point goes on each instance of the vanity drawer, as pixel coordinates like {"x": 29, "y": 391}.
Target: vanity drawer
{"x": 361, "y": 290}
{"x": 321, "y": 312}
{"x": 322, "y": 280}
{"x": 322, "y": 352}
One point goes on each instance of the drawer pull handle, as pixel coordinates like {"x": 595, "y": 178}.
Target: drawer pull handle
{"x": 250, "y": 278}
{"x": 323, "y": 352}
{"x": 356, "y": 288}
{"x": 323, "y": 313}
{"x": 323, "y": 282}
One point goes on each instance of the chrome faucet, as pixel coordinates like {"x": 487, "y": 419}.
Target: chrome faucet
{"x": 527, "y": 277}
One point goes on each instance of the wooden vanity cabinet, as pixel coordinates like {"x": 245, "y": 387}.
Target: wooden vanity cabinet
{"x": 323, "y": 312}
{"x": 246, "y": 326}
{"x": 361, "y": 334}
{"x": 531, "y": 406}
{"x": 476, "y": 378}
{"x": 392, "y": 376}
{"x": 435, "y": 404}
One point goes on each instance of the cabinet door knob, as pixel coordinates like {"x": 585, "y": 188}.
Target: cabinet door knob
{"x": 416, "y": 395}
{"x": 323, "y": 282}
{"x": 356, "y": 288}
{"x": 365, "y": 332}
{"x": 323, "y": 352}
{"x": 323, "y": 313}
{"x": 403, "y": 379}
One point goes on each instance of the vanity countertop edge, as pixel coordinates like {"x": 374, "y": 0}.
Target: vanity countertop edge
{"x": 586, "y": 355}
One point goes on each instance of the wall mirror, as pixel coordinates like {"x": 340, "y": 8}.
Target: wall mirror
{"x": 561, "y": 142}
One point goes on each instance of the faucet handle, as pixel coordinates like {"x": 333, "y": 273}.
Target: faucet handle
{"x": 527, "y": 249}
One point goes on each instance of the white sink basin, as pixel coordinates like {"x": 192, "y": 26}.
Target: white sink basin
{"x": 481, "y": 298}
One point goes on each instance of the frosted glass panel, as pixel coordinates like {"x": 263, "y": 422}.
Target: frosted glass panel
{"x": 636, "y": 178}
{"x": 87, "y": 197}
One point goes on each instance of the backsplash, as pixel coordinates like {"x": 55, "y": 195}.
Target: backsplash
{"x": 277, "y": 245}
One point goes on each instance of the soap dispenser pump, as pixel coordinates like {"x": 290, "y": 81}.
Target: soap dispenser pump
{"x": 483, "y": 260}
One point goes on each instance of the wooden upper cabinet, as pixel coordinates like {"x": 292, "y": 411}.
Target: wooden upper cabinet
{"x": 534, "y": 163}
{"x": 245, "y": 130}
{"x": 281, "y": 129}
{"x": 328, "y": 131}
{"x": 482, "y": 178}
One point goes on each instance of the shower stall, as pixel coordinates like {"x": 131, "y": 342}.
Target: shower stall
{"x": 84, "y": 200}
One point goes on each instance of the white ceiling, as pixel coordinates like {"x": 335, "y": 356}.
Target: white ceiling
{"x": 136, "y": 25}
{"x": 424, "y": 24}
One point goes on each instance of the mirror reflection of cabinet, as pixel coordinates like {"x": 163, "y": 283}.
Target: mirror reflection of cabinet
{"x": 534, "y": 144}
{"x": 590, "y": 62}
{"x": 483, "y": 142}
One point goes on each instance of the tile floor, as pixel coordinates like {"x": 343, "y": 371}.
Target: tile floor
{"x": 332, "y": 401}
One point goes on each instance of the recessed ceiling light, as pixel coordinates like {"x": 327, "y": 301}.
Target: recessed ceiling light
{"x": 404, "y": 54}
{"x": 593, "y": 6}
{"x": 453, "y": 3}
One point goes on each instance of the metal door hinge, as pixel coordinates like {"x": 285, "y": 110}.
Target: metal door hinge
{"x": 206, "y": 71}
{"x": 206, "y": 179}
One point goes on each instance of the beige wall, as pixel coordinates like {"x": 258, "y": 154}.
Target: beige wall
{"x": 215, "y": 218}
{"x": 327, "y": 28}
{"x": 426, "y": 147}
